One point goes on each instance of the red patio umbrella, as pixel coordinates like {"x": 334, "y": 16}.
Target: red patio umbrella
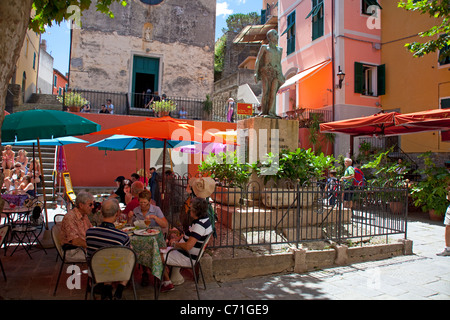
{"x": 164, "y": 129}
{"x": 390, "y": 124}
{"x": 369, "y": 125}
{"x": 436, "y": 119}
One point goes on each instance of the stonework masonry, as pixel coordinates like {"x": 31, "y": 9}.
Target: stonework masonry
{"x": 179, "y": 34}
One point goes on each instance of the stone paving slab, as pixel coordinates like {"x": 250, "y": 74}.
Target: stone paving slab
{"x": 421, "y": 276}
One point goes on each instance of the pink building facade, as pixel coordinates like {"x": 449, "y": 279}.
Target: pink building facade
{"x": 320, "y": 38}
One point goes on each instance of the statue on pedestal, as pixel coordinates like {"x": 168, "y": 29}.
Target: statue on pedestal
{"x": 268, "y": 70}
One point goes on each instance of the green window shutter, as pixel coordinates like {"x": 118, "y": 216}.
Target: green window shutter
{"x": 445, "y": 103}
{"x": 359, "y": 78}
{"x": 381, "y": 77}
{"x": 263, "y": 16}
{"x": 317, "y": 19}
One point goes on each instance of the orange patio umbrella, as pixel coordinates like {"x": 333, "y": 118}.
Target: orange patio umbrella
{"x": 163, "y": 129}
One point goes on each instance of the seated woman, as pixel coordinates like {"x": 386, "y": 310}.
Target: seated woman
{"x": 149, "y": 212}
{"x": 153, "y": 216}
{"x": 8, "y": 157}
{"x": 35, "y": 171}
{"x": 119, "y": 194}
{"x": 26, "y": 186}
{"x": 127, "y": 191}
{"x": 15, "y": 178}
{"x": 23, "y": 160}
{"x": 191, "y": 241}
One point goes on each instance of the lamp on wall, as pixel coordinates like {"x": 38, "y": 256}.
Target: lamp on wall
{"x": 341, "y": 76}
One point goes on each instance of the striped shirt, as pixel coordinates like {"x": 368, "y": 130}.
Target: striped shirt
{"x": 106, "y": 235}
{"x": 199, "y": 229}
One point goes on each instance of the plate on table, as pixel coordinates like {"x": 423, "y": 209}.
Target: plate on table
{"x": 128, "y": 229}
{"x": 146, "y": 232}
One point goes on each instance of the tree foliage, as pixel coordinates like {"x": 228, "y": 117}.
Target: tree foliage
{"x": 236, "y": 22}
{"x": 439, "y": 10}
{"x": 48, "y": 12}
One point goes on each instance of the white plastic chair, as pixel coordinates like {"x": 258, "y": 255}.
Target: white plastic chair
{"x": 112, "y": 264}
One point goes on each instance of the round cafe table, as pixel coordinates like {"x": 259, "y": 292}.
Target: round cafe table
{"x": 147, "y": 251}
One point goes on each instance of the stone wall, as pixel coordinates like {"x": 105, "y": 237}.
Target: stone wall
{"x": 180, "y": 34}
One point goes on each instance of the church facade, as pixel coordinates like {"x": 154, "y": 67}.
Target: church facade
{"x": 166, "y": 46}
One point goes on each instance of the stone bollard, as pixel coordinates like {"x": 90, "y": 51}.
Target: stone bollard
{"x": 341, "y": 258}
{"x": 407, "y": 246}
{"x": 299, "y": 260}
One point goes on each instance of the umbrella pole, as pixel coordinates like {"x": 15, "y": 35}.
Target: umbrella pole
{"x": 164, "y": 168}
{"x": 43, "y": 184}
{"x": 143, "y": 150}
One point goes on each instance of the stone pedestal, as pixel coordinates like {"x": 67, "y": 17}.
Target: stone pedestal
{"x": 258, "y": 136}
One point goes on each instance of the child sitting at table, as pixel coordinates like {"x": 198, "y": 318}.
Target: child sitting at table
{"x": 26, "y": 186}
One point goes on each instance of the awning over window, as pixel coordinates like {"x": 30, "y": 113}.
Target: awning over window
{"x": 372, "y": 3}
{"x": 315, "y": 10}
{"x": 302, "y": 75}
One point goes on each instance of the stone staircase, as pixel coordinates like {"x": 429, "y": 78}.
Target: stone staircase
{"x": 40, "y": 101}
{"x": 48, "y": 163}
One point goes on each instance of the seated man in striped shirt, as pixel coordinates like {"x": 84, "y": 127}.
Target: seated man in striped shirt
{"x": 191, "y": 241}
{"x": 106, "y": 235}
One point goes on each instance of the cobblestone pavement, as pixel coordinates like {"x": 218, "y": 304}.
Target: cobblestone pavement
{"x": 421, "y": 276}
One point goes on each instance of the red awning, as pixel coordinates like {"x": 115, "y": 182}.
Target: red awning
{"x": 391, "y": 124}
{"x": 370, "y": 125}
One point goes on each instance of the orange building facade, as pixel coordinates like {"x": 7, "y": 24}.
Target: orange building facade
{"x": 320, "y": 39}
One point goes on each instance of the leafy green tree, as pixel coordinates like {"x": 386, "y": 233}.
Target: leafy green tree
{"x": 439, "y": 34}
{"x": 17, "y": 16}
{"x": 236, "y": 22}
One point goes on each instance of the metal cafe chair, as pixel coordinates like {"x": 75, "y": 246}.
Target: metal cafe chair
{"x": 111, "y": 264}
{"x": 193, "y": 266}
{"x": 28, "y": 229}
{"x": 61, "y": 250}
{"x": 3, "y": 235}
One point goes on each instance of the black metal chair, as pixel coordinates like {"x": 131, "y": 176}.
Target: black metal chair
{"x": 3, "y": 235}
{"x": 62, "y": 250}
{"x": 28, "y": 229}
{"x": 193, "y": 265}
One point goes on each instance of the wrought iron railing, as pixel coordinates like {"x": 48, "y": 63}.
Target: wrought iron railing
{"x": 296, "y": 214}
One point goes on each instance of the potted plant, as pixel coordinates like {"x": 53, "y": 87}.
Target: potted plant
{"x": 231, "y": 174}
{"x": 207, "y": 105}
{"x": 73, "y": 100}
{"x": 431, "y": 192}
{"x": 282, "y": 171}
{"x": 390, "y": 175}
{"x": 365, "y": 147}
{"x": 164, "y": 107}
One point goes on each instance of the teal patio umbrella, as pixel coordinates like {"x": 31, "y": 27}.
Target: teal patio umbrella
{"x": 45, "y": 124}
{"x": 119, "y": 142}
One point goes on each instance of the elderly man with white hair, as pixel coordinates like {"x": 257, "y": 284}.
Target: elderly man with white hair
{"x": 347, "y": 179}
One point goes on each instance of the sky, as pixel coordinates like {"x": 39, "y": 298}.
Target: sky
{"x": 58, "y": 37}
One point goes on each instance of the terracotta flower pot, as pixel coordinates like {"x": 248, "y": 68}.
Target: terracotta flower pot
{"x": 435, "y": 217}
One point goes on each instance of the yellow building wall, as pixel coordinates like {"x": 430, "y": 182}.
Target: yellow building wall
{"x": 28, "y": 63}
{"x": 412, "y": 84}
